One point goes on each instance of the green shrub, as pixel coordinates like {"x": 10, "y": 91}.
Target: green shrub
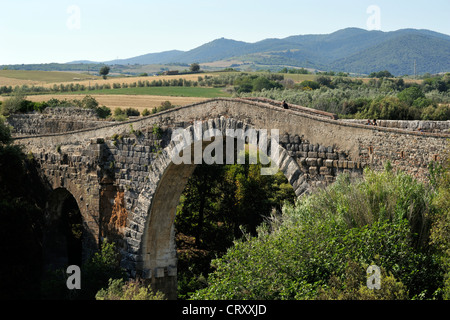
{"x": 103, "y": 265}
{"x": 103, "y": 112}
{"x": 118, "y": 289}
{"x": 89, "y": 102}
{"x": 380, "y": 220}
{"x": 145, "y": 112}
{"x": 440, "y": 231}
{"x": 353, "y": 286}
{"x": 132, "y": 112}
{"x": 13, "y": 104}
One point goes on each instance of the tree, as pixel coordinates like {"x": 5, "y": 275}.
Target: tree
{"x": 195, "y": 67}
{"x": 104, "y": 71}
{"x": 5, "y": 133}
{"x": 13, "y": 104}
{"x": 409, "y": 95}
{"x": 381, "y": 74}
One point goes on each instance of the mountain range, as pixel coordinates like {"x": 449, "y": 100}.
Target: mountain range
{"x": 351, "y": 50}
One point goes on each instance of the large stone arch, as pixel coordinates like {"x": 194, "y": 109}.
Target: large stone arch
{"x": 151, "y": 237}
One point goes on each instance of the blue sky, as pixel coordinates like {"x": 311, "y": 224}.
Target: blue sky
{"x": 62, "y": 31}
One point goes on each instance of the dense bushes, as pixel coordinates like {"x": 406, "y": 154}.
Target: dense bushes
{"x": 123, "y": 114}
{"x": 118, "y": 289}
{"x": 440, "y": 231}
{"x": 378, "y": 99}
{"x": 19, "y": 104}
{"x": 321, "y": 247}
{"x": 328, "y": 92}
{"x": 255, "y": 83}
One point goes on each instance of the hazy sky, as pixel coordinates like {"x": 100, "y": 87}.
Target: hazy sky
{"x": 61, "y": 31}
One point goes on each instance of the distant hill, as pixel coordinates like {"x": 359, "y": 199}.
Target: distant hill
{"x": 399, "y": 54}
{"x": 150, "y": 58}
{"x": 351, "y": 50}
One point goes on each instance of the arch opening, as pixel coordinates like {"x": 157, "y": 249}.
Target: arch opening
{"x": 158, "y": 248}
{"x": 221, "y": 204}
{"x": 63, "y": 237}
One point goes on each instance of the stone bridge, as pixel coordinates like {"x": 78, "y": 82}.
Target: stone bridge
{"x": 121, "y": 177}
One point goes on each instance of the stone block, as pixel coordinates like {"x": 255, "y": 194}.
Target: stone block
{"x": 159, "y": 272}
{"x": 329, "y": 163}
{"x": 342, "y": 164}
{"x": 332, "y": 156}
{"x": 320, "y": 162}
{"x": 291, "y": 139}
{"x": 172, "y": 271}
{"x": 284, "y": 139}
{"x": 312, "y": 154}
{"x": 302, "y": 154}
{"x": 301, "y": 161}
{"x": 325, "y": 171}
{"x": 313, "y": 171}
{"x": 311, "y": 162}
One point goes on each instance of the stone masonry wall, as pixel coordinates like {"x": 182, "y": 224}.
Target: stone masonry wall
{"x": 53, "y": 120}
{"x": 319, "y": 164}
{"x": 412, "y": 125}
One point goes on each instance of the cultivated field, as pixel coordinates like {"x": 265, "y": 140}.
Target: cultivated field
{"x": 128, "y": 80}
{"x": 134, "y": 97}
{"x": 138, "y": 98}
{"x": 42, "y": 78}
{"x": 113, "y": 101}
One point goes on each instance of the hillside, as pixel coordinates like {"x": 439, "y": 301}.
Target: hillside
{"x": 398, "y": 55}
{"x": 350, "y": 50}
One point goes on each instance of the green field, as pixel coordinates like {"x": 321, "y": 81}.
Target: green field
{"x": 45, "y": 76}
{"x": 163, "y": 91}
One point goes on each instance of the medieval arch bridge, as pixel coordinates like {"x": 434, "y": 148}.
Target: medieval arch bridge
{"x": 126, "y": 186}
